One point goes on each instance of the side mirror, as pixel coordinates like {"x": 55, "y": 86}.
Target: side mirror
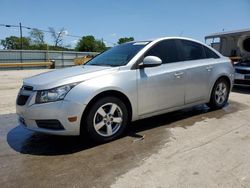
{"x": 151, "y": 61}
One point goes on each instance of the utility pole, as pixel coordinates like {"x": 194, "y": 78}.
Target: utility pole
{"x": 21, "y": 42}
{"x": 21, "y": 36}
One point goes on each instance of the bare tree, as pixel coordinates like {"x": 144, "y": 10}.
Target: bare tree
{"x": 57, "y": 36}
{"x": 37, "y": 36}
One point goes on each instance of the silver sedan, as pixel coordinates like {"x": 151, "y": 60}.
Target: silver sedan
{"x": 128, "y": 82}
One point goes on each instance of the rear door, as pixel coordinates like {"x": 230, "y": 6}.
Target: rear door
{"x": 198, "y": 70}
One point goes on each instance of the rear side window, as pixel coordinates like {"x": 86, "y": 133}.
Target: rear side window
{"x": 166, "y": 50}
{"x": 192, "y": 50}
{"x": 210, "y": 53}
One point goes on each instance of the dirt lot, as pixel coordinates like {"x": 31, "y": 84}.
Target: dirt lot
{"x": 195, "y": 147}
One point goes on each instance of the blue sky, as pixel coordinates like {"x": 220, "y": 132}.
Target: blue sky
{"x": 112, "y": 19}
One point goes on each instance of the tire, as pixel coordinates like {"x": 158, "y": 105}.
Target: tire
{"x": 106, "y": 120}
{"x": 220, "y": 94}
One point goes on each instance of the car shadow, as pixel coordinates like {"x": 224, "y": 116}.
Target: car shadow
{"x": 28, "y": 142}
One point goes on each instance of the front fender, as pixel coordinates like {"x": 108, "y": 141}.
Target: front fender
{"x": 122, "y": 81}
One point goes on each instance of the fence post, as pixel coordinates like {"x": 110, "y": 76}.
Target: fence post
{"x": 21, "y": 57}
{"x": 45, "y": 56}
{"x": 62, "y": 59}
{"x": 53, "y": 64}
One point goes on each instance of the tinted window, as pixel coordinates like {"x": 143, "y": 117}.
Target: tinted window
{"x": 165, "y": 50}
{"x": 118, "y": 55}
{"x": 192, "y": 50}
{"x": 210, "y": 53}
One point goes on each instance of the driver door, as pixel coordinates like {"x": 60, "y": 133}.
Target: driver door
{"x": 161, "y": 87}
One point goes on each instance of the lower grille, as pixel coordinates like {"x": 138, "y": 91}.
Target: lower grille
{"x": 22, "y": 99}
{"x": 50, "y": 124}
{"x": 242, "y": 82}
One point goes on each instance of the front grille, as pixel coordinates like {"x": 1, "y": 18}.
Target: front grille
{"x": 50, "y": 124}
{"x": 242, "y": 71}
{"x": 242, "y": 82}
{"x": 22, "y": 99}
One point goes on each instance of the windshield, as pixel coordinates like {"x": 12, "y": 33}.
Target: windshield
{"x": 118, "y": 55}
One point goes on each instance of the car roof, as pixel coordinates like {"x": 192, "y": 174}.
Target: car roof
{"x": 165, "y": 38}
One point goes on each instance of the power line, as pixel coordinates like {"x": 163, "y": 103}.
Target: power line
{"x": 32, "y": 28}
{"x": 47, "y": 31}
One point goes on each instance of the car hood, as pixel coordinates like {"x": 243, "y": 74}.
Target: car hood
{"x": 65, "y": 76}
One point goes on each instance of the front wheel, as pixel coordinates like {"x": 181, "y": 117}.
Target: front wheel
{"x": 220, "y": 94}
{"x": 107, "y": 119}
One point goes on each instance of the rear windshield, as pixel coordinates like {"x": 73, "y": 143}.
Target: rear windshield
{"x": 119, "y": 55}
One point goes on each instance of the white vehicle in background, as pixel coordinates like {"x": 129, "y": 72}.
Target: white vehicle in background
{"x": 236, "y": 45}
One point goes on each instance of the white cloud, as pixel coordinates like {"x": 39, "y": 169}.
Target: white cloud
{"x": 73, "y": 43}
{"x": 113, "y": 35}
{"x": 65, "y": 32}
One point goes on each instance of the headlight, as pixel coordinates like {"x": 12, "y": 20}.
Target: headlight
{"x": 54, "y": 94}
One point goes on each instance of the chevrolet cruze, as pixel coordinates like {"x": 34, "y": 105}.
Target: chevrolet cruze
{"x": 128, "y": 82}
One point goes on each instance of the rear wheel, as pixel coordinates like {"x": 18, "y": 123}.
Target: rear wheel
{"x": 107, "y": 119}
{"x": 220, "y": 94}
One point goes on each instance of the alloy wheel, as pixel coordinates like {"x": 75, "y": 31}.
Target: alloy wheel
{"x": 108, "y": 119}
{"x": 221, "y": 93}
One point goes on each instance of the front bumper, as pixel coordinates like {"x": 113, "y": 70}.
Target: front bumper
{"x": 30, "y": 113}
{"x": 242, "y": 79}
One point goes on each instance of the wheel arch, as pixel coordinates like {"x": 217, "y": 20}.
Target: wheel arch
{"x": 220, "y": 77}
{"x": 113, "y": 93}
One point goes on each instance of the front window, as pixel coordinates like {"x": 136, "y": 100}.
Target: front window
{"x": 166, "y": 50}
{"x": 119, "y": 55}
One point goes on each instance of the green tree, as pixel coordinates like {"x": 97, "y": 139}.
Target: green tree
{"x": 125, "y": 39}
{"x": 90, "y": 44}
{"x": 37, "y": 36}
{"x": 39, "y": 47}
{"x": 14, "y": 43}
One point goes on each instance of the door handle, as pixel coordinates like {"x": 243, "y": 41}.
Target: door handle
{"x": 209, "y": 68}
{"x": 178, "y": 74}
